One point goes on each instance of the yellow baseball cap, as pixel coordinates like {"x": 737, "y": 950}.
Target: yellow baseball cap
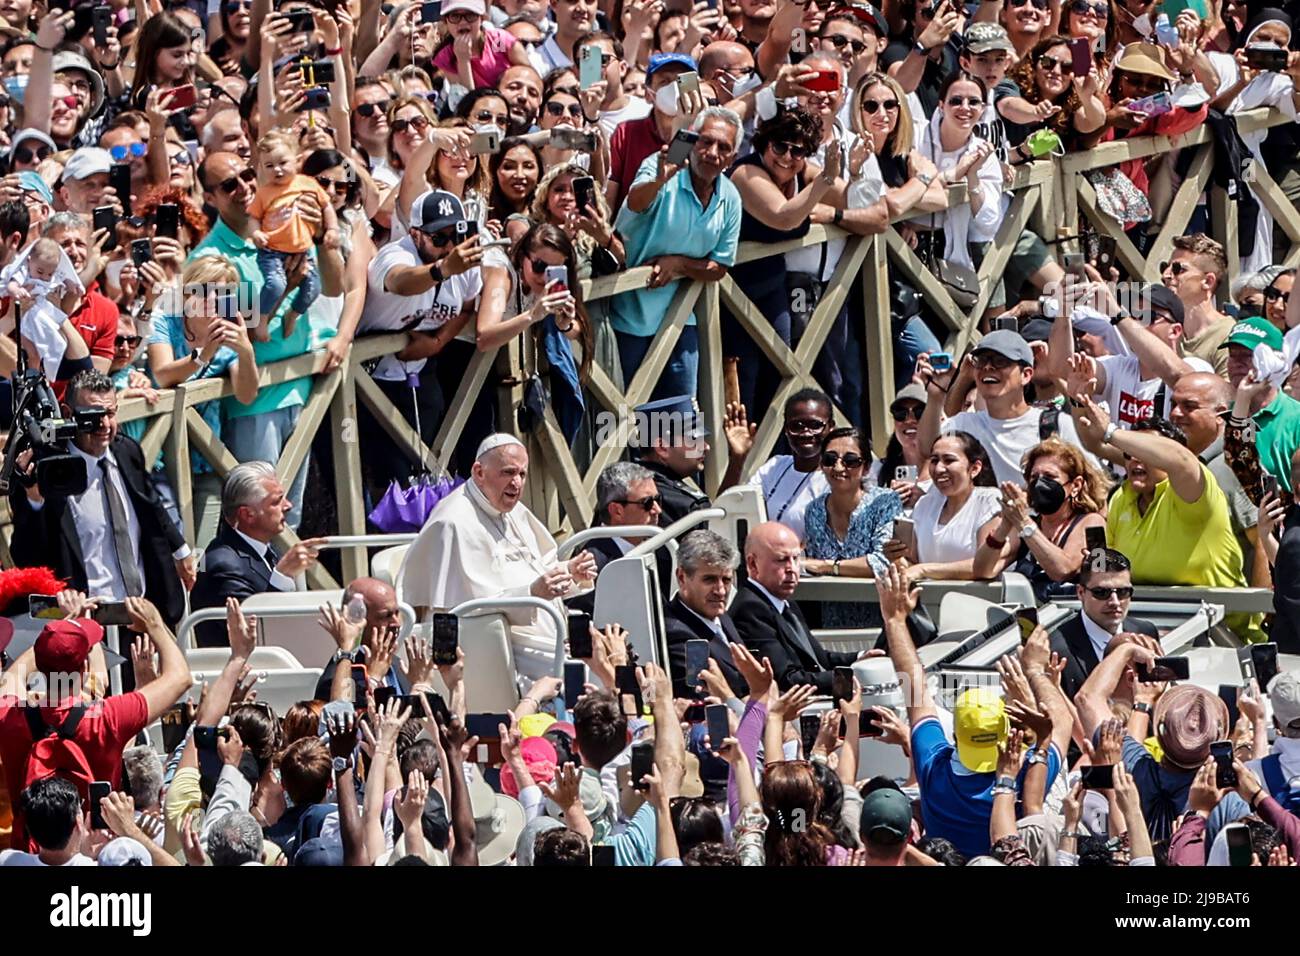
{"x": 534, "y": 725}
{"x": 979, "y": 723}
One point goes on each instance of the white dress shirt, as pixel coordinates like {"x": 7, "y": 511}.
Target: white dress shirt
{"x": 89, "y": 513}
{"x": 778, "y": 603}
{"x": 279, "y": 581}
{"x": 712, "y": 623}
{"x": 1097, "y": 634}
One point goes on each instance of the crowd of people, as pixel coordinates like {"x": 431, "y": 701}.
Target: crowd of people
{"x": 196, "y": 191}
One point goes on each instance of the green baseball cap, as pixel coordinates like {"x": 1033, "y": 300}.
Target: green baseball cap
{"x": 886, "y": 812}
{"x": 1254, "y": 331}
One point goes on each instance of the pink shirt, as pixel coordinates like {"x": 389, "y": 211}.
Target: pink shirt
{"x": 487, "y": 67}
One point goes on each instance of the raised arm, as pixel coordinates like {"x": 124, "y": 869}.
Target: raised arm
{"x": 1093, "y": 699}
{"x": 897, "y": 600}
{"x": 454, "y": 738}
{"x": 174, "y": 677}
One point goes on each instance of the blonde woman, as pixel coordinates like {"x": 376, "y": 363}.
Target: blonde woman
{"x": 590, "y": 229}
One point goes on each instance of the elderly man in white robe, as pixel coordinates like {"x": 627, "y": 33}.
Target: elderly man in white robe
{"x": 480, "y": 542}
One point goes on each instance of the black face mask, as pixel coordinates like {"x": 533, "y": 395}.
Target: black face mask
{"x": 1046, "y": 495}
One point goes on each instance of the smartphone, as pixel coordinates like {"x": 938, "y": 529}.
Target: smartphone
{"x": 112, "y": 614}
{"x": 602, "y": 855}
{"x": 179, "y": 97}
{"x": 466, "y": 228}
{"x": 867, "y": 726}
{"x": 1270, "y": 485}
{"x": 1264, "y": 658}
{"x": 205, "y": 738}
{"x": 575, "y": 678}
{"x": 842, "y": 683}
{"x": 167, "y": 220}
{"x": 141, "y": 251}
{"x": 317, "y": 98}
{"x": 1099, "y": 777}
{"x": 1073, "y": 265}
{"x": 559, "y": 275}
{"x": 360, "y": 684}
{"x": 1027, "y": 618}
{"x": 643, "y": 762}
{"x": 590, "y": 68}
{"x": 431, "y": 11}
{"x": 580, "y": 636}
{"x": 485, "y": 141}
{"x": 302, "y": 20}
{"x": 1164, "y": 669}
{"x": 119, "y": 178}
{"x": 101, "y": 18}
{"x": 45, "y": 607}
{"x": 1008, "y": 323}
{"x": 1228, "y": 694}
{"x": 1266, "y": 58}
{"x": 584, "y": 192}
{"x": 809, "y": 725}
{"x": 905, "y": 473}
{"x": 1240, "y": 852}
{"x": 1105, "y": 251}
{"x": 629, "y": 691}
{"x": 105, "y": 217}
{"x": 99, "y": 789}
{"x": 1157, "y": 104}
{"x": 486, "y": 726}
{"x": 697, "y": 660}
{"x": 681, "y": 147}
{"x": 1094, "y": 538}
{"x": 1224, "y": 774}
{"x": 941, "y": 362}
{"x": 799, "y": 40}
{"x": 175, "y": 722}
{"x": 446, "y": 638}
{"x": 567, "y": 137}
{"x": 825, "y": 81}
{"x": 1081, "y": 56}
{"x": 719, "y": 725}
{"x": 317, "y": 72}
{"x": 904, "y": 531}
{"x": 688, "y": 82}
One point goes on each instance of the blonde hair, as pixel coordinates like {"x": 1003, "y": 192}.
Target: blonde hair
{"x": 278, "y": 137}
{"x": 899, "y": 142}
{"x": 209, "y": 269}
{"x": 538, "y": 213}
{"x": 1096, "y": 486}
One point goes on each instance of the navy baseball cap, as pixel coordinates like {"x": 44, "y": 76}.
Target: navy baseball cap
{"x": 660, "y": 60}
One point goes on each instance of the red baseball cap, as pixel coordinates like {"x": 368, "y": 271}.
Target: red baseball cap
{"x": 62, "y": 646}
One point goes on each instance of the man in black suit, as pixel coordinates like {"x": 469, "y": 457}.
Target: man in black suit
{"x": 770, "y": 623}
{"x": 706, "y": 570}
{"x": 240, "y": 560}
{"x": 113, "y": 540}
{"x": 1105, "y": 593}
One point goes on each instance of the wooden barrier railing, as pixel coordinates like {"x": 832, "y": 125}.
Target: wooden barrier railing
{"x": 1048, "y": 196}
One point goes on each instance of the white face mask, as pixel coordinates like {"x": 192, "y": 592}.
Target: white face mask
{"x": 1142, "y": 25}
{"x": 666, "y": 99}
{"x": 751, "y": 81}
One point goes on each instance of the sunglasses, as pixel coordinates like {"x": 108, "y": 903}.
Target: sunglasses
{"x": 840, "y": 41}
{"x": 991, "y": 360}
{"x": 1038, "y": 4}
{"x": 788, "y": 149}
{"x": 1083, "y": 8}
{"x": 234, "y": 6}
{"x": 461, "y": 16}
{"x": 832, "y": 458}
{"x": 539, "y": 265}
{"x": 1050, "y": 64}
{"x": 487, "y": 116}
{"x": 416, "y": 123}
{"x": 808, "y": 426}
{"x": 957, "y": 102}
{"x": 559, "y": 109}
{"x": 1272, "y": 294}
{"x": 129, "y": 340}
{"x": 1176, "y": 268}
{"x": 1104, "y": 594}
{"x": 902, "y": 413}
{"x": 339, "y": 186}
{"x": 645, "y": 504}
{"x": 872, "y": 106}
{"x": 24, "y": 155}
{"x": 369, "y": 109}
{"x": 228, "y": 186}
{"x": 181, "y": 159}
{"x": 120, "y": 153}
{"x": 442, "y": 239}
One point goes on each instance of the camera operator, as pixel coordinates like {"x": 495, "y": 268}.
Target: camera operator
{"x": 115, "y": 539}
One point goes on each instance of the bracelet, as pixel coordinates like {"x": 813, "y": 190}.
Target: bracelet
{"x": 1253, "y": 797}
{"x": 1109, "y": 433}
{"x": 337, "y": 51}
{"x": 838, "y": 217}
{"x": 1142, "y": 707}
{"x": 994, "y": 543}
{"x": 47, "y": 49}
{"x": 113, "y": 66}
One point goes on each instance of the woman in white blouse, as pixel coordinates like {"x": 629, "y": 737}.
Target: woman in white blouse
{"x": 955, "y": 515}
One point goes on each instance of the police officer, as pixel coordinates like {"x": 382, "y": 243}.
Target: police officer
{"x": 670, "y": 441}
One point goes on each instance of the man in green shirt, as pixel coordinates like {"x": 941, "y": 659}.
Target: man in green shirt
{"x": 1275, "y": 414}
{"x": 258, "y": 432}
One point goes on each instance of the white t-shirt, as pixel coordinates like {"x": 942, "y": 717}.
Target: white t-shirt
{"x": 388, "y": 312}
{"x": 636, "y": 109}
{"x": 1007, "y": 439}
{"x": 1130, "y": 398}
{"x": 789, "y": 491}
{"x": 958, "y": 540}
{"x": 22, "y": 858}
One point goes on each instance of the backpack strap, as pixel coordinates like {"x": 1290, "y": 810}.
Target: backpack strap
{"x": 1274, "y": 783}
{"x": 40, "y": 729}
{"x": 1049, "y": 423}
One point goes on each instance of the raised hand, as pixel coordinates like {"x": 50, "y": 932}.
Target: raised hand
{"x": 241, "y": 630}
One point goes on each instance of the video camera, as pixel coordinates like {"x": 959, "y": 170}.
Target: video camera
{"x": 38, "y": 424}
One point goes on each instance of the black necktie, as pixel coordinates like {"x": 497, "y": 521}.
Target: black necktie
{"x": 802, "y": 636}
{"x": 120, "y": 529}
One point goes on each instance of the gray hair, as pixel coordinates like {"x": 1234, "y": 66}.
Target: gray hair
{"x": 235, "y": 839}
{"x": 704, "y": 548}
{"x": 1255, "y": 281}
{"x": 90, "y": 380}
{"x": 244, "y": 486}
{"x": 64, "y": 220}
{"x": 144, "y": 775}
{"x": 730, "y": 117}
{"x": 614, "y": 482}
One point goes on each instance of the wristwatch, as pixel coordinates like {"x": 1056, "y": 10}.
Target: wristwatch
{"x": 1142, "y": 707}
{"x": 1109, "y": 433}
{"x": 340, "y": 654}
{"x": 1035, "y": 757}
{"x": 435, "y": 272}
{"x": 1028, "y": 531}
{"x": 921, "y": 48}
{"x": 835, "y": 567}
{"x": 341, "y": 764}
{"x": 926, "y": 178}
{"x": 1120, "y": 316}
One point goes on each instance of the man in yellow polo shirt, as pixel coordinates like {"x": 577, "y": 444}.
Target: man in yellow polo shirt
{"x": 1170, "y": 517}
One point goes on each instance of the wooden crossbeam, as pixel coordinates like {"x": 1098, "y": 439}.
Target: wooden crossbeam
{"x": 879, "y": 384}
{"x": 295, "y": 450}
{"x": 1183, "y": 206}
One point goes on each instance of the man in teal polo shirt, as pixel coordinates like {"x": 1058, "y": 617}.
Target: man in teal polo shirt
{"x": 1276, "y": 415}
{"x": 259, "y": 432}
{"x": 686, "y": 223}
